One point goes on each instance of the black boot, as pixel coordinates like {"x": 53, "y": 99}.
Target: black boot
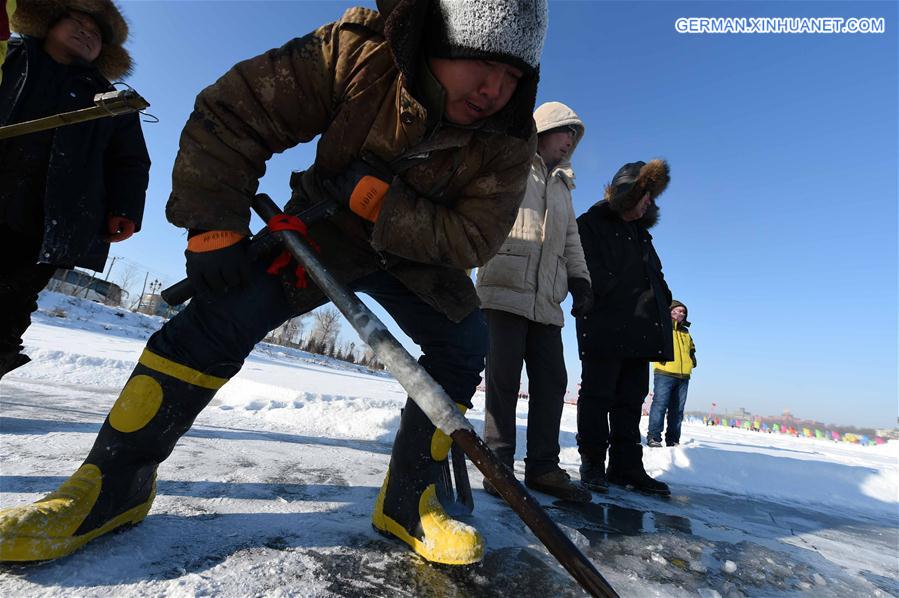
{"x": 626, "y": 469}
{"x": 11, "y": 361}
{"x": 491, "y": 489}
{"x": 116, "y": 484}
{"x": 407, "y": 506}
{"x": 507, "y": 459}
{"x": 593, "y": 470}
{"x": 638, "y": 479}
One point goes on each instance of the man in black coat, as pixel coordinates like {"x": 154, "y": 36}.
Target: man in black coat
{"x": 628, "y": 327}
{"x": 66, "y": 193}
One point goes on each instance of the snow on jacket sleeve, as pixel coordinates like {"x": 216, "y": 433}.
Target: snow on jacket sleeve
{"x": 261, "y": 106}
{"x": 127, "y": 170}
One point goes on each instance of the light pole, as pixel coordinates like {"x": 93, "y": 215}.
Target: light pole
{"x": 140, "y": 298}
{"x": 110, "y": 267}
{"x": 153, "y": 303}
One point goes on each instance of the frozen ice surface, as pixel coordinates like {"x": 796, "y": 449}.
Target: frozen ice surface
{"x": 270, "y": 493}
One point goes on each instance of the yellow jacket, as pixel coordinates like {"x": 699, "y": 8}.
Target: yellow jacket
{"x": 684, "y": 354}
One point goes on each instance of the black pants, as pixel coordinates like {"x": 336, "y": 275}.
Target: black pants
{"x": 215, "y": 334}
{"x": 609, "y": 406}
{"x": 21, "y": 279}
{"x": 513, "y": 340}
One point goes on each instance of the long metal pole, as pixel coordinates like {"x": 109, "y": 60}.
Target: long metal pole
{"x": 439, "y": 408}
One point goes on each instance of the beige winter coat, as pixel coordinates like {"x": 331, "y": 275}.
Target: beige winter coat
{"x": 529, "y": 275}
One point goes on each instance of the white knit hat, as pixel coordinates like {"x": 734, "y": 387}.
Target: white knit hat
{"x": 509, "y": 30}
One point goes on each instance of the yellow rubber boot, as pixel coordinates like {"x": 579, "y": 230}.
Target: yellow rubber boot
{"x": 48, "y": 529}
{"x": 407, "y": 507}
{"x": 116, "y": 484}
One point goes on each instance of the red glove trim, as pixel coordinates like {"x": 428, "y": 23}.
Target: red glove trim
{"x": 282, "y": 222}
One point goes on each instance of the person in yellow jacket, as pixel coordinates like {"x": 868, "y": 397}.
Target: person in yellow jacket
{"x": 671, "y": 381}
{"x": 9, "y": 8}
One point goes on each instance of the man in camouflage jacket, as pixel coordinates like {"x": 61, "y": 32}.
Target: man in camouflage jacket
{"x": 424, "y": 111}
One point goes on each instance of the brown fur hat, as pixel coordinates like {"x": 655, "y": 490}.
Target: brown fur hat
{"x": 36, "y": 17}
{"x": 632, "y": 181}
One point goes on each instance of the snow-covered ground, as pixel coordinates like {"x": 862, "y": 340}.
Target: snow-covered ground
{"x": 271, "y": 491}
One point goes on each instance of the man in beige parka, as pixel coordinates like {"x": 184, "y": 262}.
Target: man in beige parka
{"x": 521, "y": 290}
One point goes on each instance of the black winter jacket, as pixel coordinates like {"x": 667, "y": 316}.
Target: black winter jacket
{"x": 630, "y": 318}
{"x": 96, "y": 169}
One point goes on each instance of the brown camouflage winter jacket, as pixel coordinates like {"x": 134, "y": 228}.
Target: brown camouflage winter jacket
{"x": 350, "y": 82}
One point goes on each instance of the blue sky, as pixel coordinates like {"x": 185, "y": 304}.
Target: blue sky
{"x": 779, "y": 228}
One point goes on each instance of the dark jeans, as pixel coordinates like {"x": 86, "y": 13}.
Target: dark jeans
{"x": 609, "y": 407}
{"x": 513, "y": 340}
{"x": 669, "y": 394}
{"x": 215, "y": 334}
{"x": 21, "y": 279}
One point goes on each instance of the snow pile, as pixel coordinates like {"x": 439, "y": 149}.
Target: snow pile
{"x": 797, "y": 470}
{"x": 78, "y": 342}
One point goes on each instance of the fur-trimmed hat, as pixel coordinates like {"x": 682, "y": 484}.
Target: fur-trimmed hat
{"x": 632, "y": 181}
{"x": 36, "y": 17}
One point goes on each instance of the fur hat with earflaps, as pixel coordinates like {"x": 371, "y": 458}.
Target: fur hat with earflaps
{"x": 632, "y": 181}
{"x": 36, "y": 17}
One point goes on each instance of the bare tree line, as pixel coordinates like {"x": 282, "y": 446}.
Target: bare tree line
{"x": 136, "y": 280}
{"x": 322, "y": 338}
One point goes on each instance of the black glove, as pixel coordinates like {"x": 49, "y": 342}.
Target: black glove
{"x": 581, "y": 297}
{"x": 361, "y": 187}
{"x": 214, "y": 270}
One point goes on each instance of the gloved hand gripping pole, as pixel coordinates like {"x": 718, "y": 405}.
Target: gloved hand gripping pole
{"x": 439, "y": 407}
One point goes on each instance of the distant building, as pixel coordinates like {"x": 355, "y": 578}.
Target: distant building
{"x": 82, "y": 284}
{"x": 153, "y": 304}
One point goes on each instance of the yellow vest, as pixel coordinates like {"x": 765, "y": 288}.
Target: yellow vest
{"x": 684, "y": 361}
